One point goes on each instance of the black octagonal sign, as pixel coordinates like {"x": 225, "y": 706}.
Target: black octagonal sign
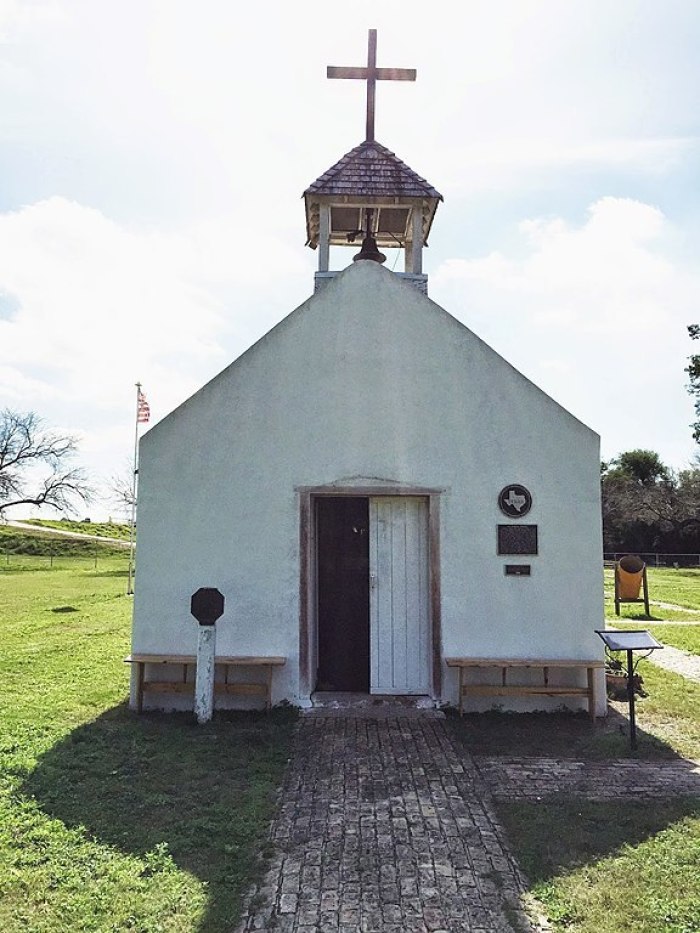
{"x": 207, "y": 605}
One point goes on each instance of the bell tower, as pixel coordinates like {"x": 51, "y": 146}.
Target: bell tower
{"x": 370, "y": 194}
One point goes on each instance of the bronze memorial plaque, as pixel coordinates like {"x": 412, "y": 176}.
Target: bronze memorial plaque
{"x": 517, "y": 539}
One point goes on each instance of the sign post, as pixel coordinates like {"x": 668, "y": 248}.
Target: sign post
{"x": 207, "y": 605}
{"x": 629, "y": 640}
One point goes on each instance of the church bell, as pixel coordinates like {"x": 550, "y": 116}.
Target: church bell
{"x": 369, "y": 249}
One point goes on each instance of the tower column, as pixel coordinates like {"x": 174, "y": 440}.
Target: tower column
{"x": 324, "y": 236}
{"x": 416, "y": 244}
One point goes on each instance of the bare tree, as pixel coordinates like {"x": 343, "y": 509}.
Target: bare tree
{"x": 120, "y": 487}
{"x": 34, "y": 465}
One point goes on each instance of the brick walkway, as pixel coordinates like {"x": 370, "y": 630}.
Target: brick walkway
{"x": 534, "y": 778}
{"x": 383, "y": 826}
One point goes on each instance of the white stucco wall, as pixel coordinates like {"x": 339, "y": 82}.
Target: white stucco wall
{"x": 370, "y": 380}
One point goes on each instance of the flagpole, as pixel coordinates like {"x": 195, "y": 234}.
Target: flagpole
{"x": 132, "y": 523}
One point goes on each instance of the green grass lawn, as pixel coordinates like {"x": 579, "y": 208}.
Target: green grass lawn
{"x": 109, "y": 821}
{"x": 685, "y": 637}
{"x": 610, "y": 866}
{"x": 666, "y": 585}
{"x": 670, "y": 713}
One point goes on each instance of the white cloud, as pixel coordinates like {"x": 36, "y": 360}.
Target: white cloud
{"x": 17, "y": 387}
{"x": 600, "y": 275}
{"x": 18, "y": 16}
{"x": 95, "y": 299}
{"x": 90, "y": 306}
{"x": 98, "y": 303}
{"x": 594, "y": 313}
{"x": 515, "y": 161}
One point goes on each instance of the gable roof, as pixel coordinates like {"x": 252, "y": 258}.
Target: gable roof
{"x": 347, "y": 305}
{"x": 372, "y": 170}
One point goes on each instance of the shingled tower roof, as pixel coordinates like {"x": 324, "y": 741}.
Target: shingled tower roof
{"x": 370, "y": 172}
{"x": 372, "y": 169}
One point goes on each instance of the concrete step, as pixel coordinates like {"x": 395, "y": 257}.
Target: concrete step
{"x": 369, "y": 706}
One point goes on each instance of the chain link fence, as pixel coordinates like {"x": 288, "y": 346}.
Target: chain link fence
{"x": 13, "y": 561}
{"x": 656, "y": 560}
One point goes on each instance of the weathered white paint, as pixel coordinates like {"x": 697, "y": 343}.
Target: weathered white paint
{"x": 368, "y": 382}
{"x": 398, "y": 557}
{"x": 204, "y": 679}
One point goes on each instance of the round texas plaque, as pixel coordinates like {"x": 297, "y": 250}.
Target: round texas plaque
{"x": 514, "y": 501}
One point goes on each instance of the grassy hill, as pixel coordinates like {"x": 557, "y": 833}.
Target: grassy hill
{"x": 104, "y": 529}
{"x": 16, "y": 541}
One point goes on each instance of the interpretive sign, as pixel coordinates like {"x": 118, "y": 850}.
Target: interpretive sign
{"x": 629, "y": 640}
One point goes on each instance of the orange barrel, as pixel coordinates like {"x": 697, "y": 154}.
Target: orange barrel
{"x": 629, "y": 577}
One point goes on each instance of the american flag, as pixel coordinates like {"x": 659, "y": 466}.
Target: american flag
{"x": 143, "y": 409}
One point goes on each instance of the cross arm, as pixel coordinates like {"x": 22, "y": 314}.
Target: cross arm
{"x": 381, "y": 74}
{"x": 396, "y": 74}
{"x": 333, "y": 71}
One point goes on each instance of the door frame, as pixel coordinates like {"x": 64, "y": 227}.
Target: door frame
{"x": 308, "y": 618}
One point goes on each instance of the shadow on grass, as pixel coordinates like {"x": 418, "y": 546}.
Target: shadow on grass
{"x": 554, "y": 836}
{"x": 561, "y": 841}
{"x": 206, "y": 791}
{"x": 555, "y": 735}
{"x": 634, "y": 617}
{"x": 111, "y": 573}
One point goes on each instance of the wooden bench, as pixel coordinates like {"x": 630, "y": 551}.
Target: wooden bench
{"x": 505, "y": 688}
{"x": 183, "y": 685}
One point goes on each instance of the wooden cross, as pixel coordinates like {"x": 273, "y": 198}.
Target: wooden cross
{"x": 371, "y": 74}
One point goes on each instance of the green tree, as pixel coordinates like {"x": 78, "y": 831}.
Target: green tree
{"x": 693, "y": 370}
{"x": 647, "y": 506}
{"x": 643, "y": 467}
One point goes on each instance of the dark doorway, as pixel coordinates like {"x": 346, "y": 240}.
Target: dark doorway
{"x": 342, "y": 534}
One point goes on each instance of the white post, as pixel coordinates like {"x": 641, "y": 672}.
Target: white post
{"x": 324, "y": 236}
{"x": 204, "y": 682}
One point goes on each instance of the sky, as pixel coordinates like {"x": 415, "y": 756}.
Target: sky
{"x": 154, "y": 155}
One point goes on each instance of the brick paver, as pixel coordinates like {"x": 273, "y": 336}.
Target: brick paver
{"x": 535, "y": 778}
{"x": 384, "y": 826}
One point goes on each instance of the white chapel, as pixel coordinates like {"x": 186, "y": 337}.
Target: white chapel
{"x": 375, "y": 492}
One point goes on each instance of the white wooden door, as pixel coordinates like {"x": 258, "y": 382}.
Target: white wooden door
{"x": 399, "y": 617}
